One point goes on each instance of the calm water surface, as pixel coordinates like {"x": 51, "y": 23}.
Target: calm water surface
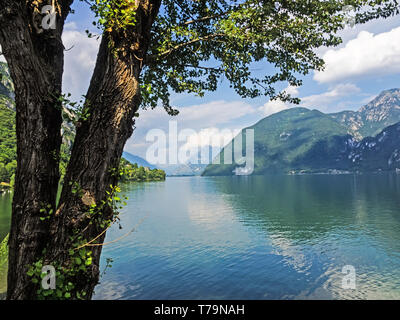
{"x": 273, "y": 237}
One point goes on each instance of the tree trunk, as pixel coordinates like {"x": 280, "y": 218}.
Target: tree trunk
{"x": 113, "y": 98}
{"x": 36, "y": 64}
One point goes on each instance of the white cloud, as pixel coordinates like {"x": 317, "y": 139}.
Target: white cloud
{"x": 374, "y": 26}
{"x": 274, "y": 106}
{"x": 293, "y": 91}
{"x": 214, "y": 113}
{"x": 211, "y": 114}
{"x": 214, "y": 137}
{"x": 79, "y": 60}
{"x": 70, "y": 26}
{"x": 206, "y": 119}
{"x": 366, "y": 55}
{"x": 201, "y": 142}
{"x": 319, "y": 101}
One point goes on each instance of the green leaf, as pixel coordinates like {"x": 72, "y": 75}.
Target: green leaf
{"x": 88, "y": 261}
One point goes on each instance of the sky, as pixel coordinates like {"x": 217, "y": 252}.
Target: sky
{"x": 366, "y": 63}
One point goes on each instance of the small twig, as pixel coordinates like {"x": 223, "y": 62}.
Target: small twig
{"x": 91, "y": 244}
{"x": 120, "y": 238}
{"x": 69, "y": 48}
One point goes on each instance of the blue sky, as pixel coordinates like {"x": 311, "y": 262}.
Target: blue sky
{"x": 366, "y": 63}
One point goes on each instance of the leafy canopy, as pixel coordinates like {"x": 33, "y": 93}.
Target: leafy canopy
{"x": 197, "y": 43}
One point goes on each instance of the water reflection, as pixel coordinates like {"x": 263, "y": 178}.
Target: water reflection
{"x": 335, "y": 220}
{"x": 272, "y": 237}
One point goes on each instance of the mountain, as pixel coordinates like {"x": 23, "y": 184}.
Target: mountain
{"x": 303, "y": 140}
{"x": 138, "y": 160}
{"x": 187, "y": 169}
{"x": 381, "y": 112}
{"x": 379, "y": 153}
{"x": 292, "y": 139}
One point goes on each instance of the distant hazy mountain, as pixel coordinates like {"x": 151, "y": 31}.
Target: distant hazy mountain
{"x": 171, "y": 170}
{"x": 136, "y": 159}
{"x": 193, "y": 166}
{"x": 188, "y": 169}
{"x": 302, "y": 140}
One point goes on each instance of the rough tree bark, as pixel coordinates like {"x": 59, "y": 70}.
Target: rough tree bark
{"x": 36, "y": 64}
{"x": 112, "y": 100}
{"x": 35, "y": 59}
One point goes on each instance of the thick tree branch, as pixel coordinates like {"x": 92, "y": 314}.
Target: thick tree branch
{"x": 164, "y": 54}
{"x": 205, "y": 19}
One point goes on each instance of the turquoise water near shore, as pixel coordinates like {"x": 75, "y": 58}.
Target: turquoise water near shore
{"x": 257, "y": 237}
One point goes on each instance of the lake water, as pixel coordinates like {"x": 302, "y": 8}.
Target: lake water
{"x": 272, "y": 237}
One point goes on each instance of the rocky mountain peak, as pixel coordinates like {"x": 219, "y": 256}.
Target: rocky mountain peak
{"x": 382, "y": 106}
